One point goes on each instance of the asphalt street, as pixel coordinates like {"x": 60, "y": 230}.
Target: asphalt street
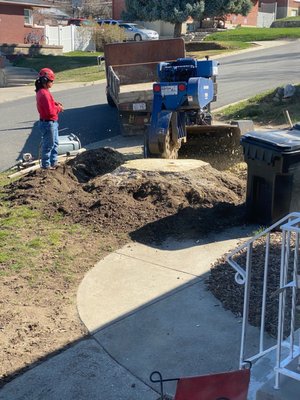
{"x": 86, "y": 115}
{"x": 248, "y": 73}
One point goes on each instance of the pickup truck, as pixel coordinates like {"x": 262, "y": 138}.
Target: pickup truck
{"x": 131, "y": 71}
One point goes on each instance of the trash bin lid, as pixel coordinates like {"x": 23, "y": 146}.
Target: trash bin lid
{"x": 280, "y": 140}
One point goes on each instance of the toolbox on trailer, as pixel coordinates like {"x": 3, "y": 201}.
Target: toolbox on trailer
{"x": 273, "y": 180}
{"x": 68, "y": 143}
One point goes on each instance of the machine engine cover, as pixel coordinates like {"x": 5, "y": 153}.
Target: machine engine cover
{"x": 207, "y": 68}
{"x": 200, "y": 92}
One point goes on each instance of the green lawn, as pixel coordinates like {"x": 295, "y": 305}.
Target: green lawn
{"x": 254, "y": 34}
{"x": 76, "y": 66}
{"x": 264, "y": 109}
{"x": 290, "y": 19}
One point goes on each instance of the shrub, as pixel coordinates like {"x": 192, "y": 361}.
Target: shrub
{"x": 108, "y": 34}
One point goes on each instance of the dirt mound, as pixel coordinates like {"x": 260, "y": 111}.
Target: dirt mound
{"x": 95, "y": 189}
{"x": 92, "y": 163}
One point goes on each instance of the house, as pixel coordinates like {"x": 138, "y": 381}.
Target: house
{"x": 19, "y": 18}
{"x": 284, "y": 8}
{"x": 119, "y": 5}
{"x": 248, "y": 20}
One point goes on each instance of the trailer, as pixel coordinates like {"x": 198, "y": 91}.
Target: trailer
{"x": 131, "y": 71}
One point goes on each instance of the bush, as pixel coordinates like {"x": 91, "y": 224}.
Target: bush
{"x": 286, "y": 23}
{"x": 108, "y": 34}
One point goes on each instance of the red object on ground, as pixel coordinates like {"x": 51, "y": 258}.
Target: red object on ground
{"x": 224, "y": 386}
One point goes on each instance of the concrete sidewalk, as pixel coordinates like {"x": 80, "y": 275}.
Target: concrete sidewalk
{"x": 146, "y": 308}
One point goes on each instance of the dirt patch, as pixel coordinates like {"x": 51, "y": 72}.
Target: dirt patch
{"x": 116, "y": 204}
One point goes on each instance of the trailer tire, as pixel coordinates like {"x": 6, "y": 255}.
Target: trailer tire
{"x": 110, "y": 101}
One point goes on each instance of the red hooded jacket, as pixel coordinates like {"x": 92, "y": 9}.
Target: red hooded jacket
{"x": 47, "y": 107}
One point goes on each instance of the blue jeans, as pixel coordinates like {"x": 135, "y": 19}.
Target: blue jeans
{"x": 49, "y": 131}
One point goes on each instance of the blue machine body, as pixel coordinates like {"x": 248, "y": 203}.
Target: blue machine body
{"x": 185, "y": 85}
{"x": 186, "y": 67}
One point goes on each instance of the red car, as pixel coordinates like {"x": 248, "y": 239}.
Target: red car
{"x": 80, "y": 22}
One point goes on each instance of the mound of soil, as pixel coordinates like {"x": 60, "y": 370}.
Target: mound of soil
{"x": 97, "y": 189}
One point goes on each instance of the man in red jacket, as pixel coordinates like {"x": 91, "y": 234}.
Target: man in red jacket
{"x": 48, "y": 109}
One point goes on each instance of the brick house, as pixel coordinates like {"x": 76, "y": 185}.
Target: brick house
{"x": 18, "y": 18}
{"x": 119, "y": 5}
{"x": 248, "y": 20}
{"x": 285, "y": 8}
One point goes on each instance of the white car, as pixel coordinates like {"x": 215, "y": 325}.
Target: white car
{"x": 137, "y": 32}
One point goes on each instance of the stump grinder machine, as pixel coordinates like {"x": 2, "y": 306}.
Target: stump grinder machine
{"x": 181, "y": 114}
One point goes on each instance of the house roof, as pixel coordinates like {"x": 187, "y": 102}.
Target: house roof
{"x": 32, "y": 3}
{"x": 54, "y": 12}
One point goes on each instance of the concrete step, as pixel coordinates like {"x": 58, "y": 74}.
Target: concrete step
{"x": 17, "y": 76}
{"x": 263, "y": 380}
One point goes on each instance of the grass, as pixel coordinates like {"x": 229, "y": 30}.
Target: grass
{"x": 27, "y": 237}
{"x": 76, "y": 66}
{"x": 254, "y": 34}
{"x": 264, "y": 109}
{"x": 290, "y": 19}
{"x": 226, "y": 47}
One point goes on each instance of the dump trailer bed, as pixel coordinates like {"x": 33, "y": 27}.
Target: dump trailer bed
{"x": 136, "y": 92}
{"x": 131, "y": 70}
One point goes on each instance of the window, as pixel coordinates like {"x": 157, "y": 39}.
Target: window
{"x": 28, "y": 20}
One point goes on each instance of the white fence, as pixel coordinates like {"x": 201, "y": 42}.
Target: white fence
{"x": 71, "y": 37}
{"x": 264, "y": 20}
{"x": 266, "y": 15}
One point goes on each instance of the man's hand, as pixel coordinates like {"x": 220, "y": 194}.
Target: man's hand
{"x": 60, "y": 105}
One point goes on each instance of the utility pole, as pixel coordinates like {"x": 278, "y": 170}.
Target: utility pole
{"x": 76, "y": 6}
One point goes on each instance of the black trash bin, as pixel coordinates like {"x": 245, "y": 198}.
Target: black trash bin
{"x": 273, "y": 182}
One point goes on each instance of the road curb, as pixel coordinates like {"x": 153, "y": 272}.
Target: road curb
{"x": 2, "y": 78}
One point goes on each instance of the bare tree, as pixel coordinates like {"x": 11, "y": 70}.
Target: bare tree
{"x": 85, "y": 8}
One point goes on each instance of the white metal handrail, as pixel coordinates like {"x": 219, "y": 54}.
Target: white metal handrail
{"x": 289, "y": 224}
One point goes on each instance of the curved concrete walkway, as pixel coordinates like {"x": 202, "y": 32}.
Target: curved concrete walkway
{"x": 147, "y": 308}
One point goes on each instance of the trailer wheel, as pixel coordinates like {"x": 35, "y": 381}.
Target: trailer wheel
{"x": 110, "y": 101}
{"x": 138, "y": 37}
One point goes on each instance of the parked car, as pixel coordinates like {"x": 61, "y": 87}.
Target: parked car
{"x": 137, "y": 32}
{"x": 109, "y": 21}
{"x": 80, "y": 22}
